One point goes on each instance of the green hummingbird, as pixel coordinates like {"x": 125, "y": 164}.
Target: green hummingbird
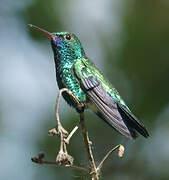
{"x": 77, "y": 73}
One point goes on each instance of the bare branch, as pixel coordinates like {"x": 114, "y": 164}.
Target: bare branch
{"x": 94, "y": 172}
{"x": 63, "y": 158}
{"x": 39, "y": 161}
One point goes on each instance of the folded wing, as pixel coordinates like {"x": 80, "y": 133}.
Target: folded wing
{"x": 111, "y": 111}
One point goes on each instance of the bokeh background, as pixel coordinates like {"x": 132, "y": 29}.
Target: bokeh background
{"x": 129, "y": 42}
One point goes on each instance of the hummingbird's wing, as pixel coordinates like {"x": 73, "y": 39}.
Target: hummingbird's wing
{"x": 107, "y": 101}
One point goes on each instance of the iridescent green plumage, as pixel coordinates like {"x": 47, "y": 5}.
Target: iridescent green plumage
{"x": 92, "y": 71}
{"x": 75, "y": 72}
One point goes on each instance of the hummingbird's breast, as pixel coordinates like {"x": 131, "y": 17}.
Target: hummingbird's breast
{"x": 66, "y": 79}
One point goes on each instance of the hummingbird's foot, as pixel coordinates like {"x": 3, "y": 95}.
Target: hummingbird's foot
{"x": 80, "y": 107}
{"x": 63, "y": 158}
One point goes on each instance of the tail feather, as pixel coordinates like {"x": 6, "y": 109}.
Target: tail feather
{"x": 132, "y": 123}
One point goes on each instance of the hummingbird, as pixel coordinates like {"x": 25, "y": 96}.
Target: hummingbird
{"x": 77, "y": 73}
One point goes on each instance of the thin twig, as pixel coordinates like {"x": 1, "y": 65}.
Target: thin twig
{"x": 36, "y": 160}
{"x": 71, "y": 134}
{"x": 63, "y": 156}
{"x": 120, "y": 147}
{"x": 60, "y": 127}
{"x": 94, "y": 173}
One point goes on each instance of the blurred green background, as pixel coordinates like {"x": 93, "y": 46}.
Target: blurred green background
{"x": 129, "y": 42}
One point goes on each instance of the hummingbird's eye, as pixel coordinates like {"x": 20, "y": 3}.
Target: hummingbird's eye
{"x": 68, "y": 37}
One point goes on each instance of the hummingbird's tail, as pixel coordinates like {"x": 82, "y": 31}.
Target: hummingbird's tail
{"x": 132, "y": 122}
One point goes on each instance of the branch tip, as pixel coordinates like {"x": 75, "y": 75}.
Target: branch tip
{"x": 121, "y": 151}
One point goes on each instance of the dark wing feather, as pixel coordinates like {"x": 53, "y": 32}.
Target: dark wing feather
{"x": 131, "y": 121}
{"x": 110, "y": 111}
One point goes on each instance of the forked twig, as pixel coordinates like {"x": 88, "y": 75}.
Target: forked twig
{"x": 63, "y": 158}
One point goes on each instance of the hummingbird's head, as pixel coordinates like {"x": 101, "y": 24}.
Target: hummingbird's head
{"x": 65, "y": 45}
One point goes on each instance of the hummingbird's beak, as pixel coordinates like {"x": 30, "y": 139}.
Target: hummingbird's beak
{"x": 48, "y": 34}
